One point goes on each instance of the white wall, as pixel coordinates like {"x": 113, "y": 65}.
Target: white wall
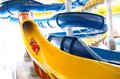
{"x": 11, "y": 46}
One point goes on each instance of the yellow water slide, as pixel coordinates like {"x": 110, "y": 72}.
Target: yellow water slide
{"x": 92, "y": 3}
{"x": 53, "y": 63}
{"x": 115, "y": 9}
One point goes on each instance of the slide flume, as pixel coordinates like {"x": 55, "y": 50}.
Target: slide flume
{"x": 60, "y": 64}
{"x": 87, "y": 24}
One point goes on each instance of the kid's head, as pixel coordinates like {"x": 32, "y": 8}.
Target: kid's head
{"x": 32, "y": 39}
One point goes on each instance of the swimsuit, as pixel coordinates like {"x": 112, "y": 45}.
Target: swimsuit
{"x": 35, "y": 46}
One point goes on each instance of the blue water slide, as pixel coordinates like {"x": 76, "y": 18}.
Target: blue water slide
{"x": 12, "y": 6}
{"x": 92, "y": 23}
{"x": 77, "y": 47}
{"x": 76, "y": 19}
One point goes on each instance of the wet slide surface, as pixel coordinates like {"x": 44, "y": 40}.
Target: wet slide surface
{"x": 55, "y": 61}
{"x": 58, "y": 62}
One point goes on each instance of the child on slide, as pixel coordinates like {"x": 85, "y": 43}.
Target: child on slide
{"x": 34, "y": 45}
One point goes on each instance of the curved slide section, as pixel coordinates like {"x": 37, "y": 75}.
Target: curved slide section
{"x": 11, "y": 7}
{"x": 88, "y": 21}
{"x": 76, "y": 47}
{"x": 59, "y": 64}
{"x": 76, "y": 19}
{"x": 115, "y": 9}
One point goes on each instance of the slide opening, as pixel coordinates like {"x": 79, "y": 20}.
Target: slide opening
{"x": 27, "y": 25}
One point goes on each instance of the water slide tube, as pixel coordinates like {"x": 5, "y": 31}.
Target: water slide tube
{"x": 93, "y": 24}
{"x": 15, "y": 6}
{"x": 115, "y": 9}
{"x": 76, "y": 47}
{"x": 58, "y": 64}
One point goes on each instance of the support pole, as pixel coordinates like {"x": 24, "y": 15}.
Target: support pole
{"x": 31, "y": 15}
{"x": 111, "y": 43}
{"x": 68, "y": 6}
{"x": 109, "y": 18}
